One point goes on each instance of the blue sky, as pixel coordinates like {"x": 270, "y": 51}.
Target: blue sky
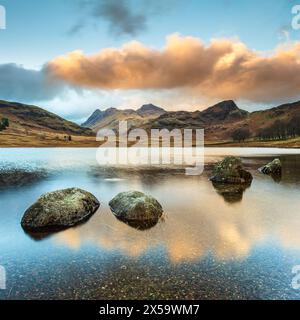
{"x": 40, "y": 30}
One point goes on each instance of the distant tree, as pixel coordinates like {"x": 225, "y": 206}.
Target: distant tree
{"x": 4, "y": 123}
{"x": 241, "y": 134}
{"x": 70, "y": 138}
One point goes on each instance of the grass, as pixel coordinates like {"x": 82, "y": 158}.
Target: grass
{"x": 31, "y": 138}
{"x": 44, "y": 139}
{"x": 288, "y": 143}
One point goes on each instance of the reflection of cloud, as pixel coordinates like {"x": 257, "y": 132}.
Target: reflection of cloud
{"x": 225, "y": 69}
{"x": 199, "y": 221}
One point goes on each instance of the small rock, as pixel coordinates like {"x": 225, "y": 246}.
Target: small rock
{"x": 135, "y": 206}
{"x": 60, "y": 209}
{"x": 230, "y": 170}
{"x": 274, "y": 168}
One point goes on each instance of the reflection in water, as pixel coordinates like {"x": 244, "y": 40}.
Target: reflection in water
{"x": 276, "y": 177}
{"x": 199, "y": 222}
{"x": 140, "y": 224}
{"x": 231, "y": 192}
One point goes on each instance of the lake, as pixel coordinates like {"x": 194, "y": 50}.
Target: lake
{"x": 210, "y": 244}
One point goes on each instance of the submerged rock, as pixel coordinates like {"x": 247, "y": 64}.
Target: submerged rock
{"x": 136, "y": 209}
{"x": 230, "y": 170}
{"x": 60, "y": 209}
{"x": 231, "y": 193}
{"x": 19, "y": 177}
{"x": 273, "y": 168}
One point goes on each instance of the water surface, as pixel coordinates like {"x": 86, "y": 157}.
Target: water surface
{"x": 210, "y": 244}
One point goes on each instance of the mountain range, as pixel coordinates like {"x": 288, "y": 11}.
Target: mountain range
{"x": 110, "y": 118}
{"x": 219, "y": 122}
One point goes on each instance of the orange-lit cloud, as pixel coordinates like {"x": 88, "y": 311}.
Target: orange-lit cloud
{"x": 225, "y": 69}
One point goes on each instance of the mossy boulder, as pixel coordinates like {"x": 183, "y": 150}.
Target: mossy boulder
{"x": 273, "y": 168}
{"x": 135, "y": 206}
{"x": 230, "y": 170}
{"x": 60, "y": 209}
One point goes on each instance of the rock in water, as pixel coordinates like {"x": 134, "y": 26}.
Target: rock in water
{"x": 134, "y": 206}
{"x": 273, "y": 168}
{"x": 19, "y": 177}
{"x": 60, "y": 209}
{"x": 230, "y": 170}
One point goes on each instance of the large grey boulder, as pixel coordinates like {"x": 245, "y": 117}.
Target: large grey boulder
{"x": 230, "y": 170}
{"x": 135, "y": 206}
{"x": 60, "y": 209}
{"x": 273, "y": 168}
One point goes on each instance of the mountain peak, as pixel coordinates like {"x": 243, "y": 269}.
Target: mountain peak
{"x": 225, "y": 110}
{"x": 150, "y": 109}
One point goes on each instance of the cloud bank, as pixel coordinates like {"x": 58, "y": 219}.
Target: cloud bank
{"x": 18, "y": 83}
{"x": 225, "y": 69}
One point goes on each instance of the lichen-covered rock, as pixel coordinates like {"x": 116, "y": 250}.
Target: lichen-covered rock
{"x": 273, "y": 168}
{"x": 135, "y": 206}
{"x": 60, "y": 209}
{"x": 230, "y": 170}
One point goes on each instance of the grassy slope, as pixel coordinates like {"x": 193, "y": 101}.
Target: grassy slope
{"x": 31, "y": 126}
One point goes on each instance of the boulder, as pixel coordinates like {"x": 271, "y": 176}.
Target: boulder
{"x": 60, "y": 209}
{"x": 230, "y": 170}
{"x": 134, "y": 206}
{"x": 273, "y": 168}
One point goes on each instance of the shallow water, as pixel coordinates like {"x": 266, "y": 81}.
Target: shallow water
{"x": 209, "y": 244}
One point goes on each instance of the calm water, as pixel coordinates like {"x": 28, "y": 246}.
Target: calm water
{"x": 211, "y": 244}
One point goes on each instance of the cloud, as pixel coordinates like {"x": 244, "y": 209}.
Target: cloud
{"x": 18, "y": 83}
{"x": 122, "y": 19}
{"x": 225, "y": 69}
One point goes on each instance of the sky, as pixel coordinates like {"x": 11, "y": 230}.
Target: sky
{"x": 73, "y": 56}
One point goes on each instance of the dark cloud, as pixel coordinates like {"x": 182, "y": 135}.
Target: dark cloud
{"x": 120, "y": 16}
{"x": 18, "y": 83}
{"x": 123, "y": 16}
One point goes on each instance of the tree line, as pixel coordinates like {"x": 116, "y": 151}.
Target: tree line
{"x": 281, "y": 130}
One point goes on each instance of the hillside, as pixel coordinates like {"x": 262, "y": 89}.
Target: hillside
{"x": 26, "y": 117}
{"x": 34, "y": 126}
